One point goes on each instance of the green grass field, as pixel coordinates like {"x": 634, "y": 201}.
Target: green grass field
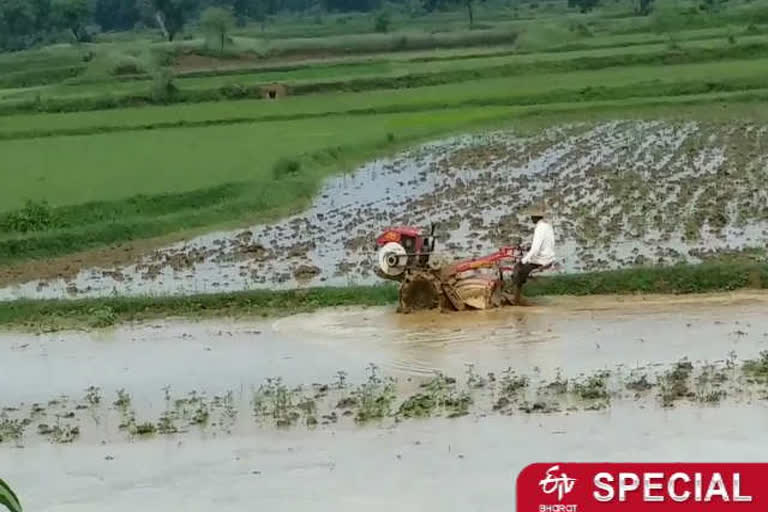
{"x": 112, "y": 172}
{"x": 374, "y": 74}
{"x": 179, "y": 160}
{"x": 535, "y": 88}
{"x": 182, "y": 159}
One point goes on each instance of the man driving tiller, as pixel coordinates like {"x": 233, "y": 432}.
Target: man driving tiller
{"x": 540, "y": 256}
{"x": 405, "y": 255}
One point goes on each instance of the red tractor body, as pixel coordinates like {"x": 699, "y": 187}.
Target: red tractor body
{"x": 405, "y": 254}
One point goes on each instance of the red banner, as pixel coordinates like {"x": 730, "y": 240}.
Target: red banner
{"x": 646, "y": 487}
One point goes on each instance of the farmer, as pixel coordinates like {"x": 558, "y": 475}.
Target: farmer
{"x": 540, "y": 255}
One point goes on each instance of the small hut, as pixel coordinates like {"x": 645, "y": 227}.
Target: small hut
{"x": 274, "y": 91}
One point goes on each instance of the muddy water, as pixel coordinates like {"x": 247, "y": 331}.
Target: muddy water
{"x": 460, "y": 464}
{"x": 567, "y": 333}
{"x": 573, "y": 334}
{"x": 621, "y": 193}
{"x": 210, "y": 356}
{"x": 465, "y": 464}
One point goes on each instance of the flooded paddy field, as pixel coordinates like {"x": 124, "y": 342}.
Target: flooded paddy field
{"x": 621, "y": 193}
{"x": 462, "y": 464}
{"x": 346, "y": 409}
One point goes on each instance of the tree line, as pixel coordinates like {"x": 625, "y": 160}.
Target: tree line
{"x": 27, "y": 22}
{"x": 24, "y": 23}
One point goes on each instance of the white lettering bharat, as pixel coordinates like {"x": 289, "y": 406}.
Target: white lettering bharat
{"x": 560, "y": 484}
{"x": 679, "y": 487}
{"x": 559, "y": 508}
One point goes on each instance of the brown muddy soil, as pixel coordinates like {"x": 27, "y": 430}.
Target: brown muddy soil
{"x": 621, "y": 193}
{"x": 68, "y": 267}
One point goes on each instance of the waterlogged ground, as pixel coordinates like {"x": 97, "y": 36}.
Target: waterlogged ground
{"x": 621, "y": 193}
{"x": 352, "y": 409}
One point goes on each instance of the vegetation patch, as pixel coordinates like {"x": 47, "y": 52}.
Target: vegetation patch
{"x": 674, "y": 384}
{"x": 757, "y": 369}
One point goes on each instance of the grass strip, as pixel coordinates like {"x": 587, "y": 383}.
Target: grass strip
{"x": 47, "y": 315}
{"x": 674, "y": 279}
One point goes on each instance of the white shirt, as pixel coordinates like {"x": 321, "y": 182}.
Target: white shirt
{"x": 543, "y": 247}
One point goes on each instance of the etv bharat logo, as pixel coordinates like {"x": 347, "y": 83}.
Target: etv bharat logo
{"x": 8, "y": 498}
{"x": 560, "y": 484}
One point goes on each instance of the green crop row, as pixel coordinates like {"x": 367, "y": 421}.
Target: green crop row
{"x": 214, "y": 90}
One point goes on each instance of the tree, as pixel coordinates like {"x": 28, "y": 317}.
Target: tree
{"x": 382, "y": 22}
{"x": 73, "y": 15}
{"x": 711, "y": 6}
{"x": 347, "y": 5}
{"x": 242, "y": 10}
{"x": 432, "y": 5}
{"x": 116, "y": 14}
{"x": 642, "y": 7}
{"x": 17, "y": 17}
{"x": 583, "y": 5}
{"x": 217, "y": 21}
{"x": 667, "y": 20}
{"x": 17, "y": 23}
{"x": 468, "y": 4}
{"x": 172, "y": 15}
{"x": 258, "y": 12}
{"x": 42, "y": 14}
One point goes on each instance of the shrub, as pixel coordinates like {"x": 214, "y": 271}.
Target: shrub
{"x": 127, "y": 65}
{"x": 286, "y": 167}
{"x": 217, "y": 22}
{"x": 580, "y": 28}
{"x": 235, "y": 91}
{"x": 103, "y": 316}
{"x": 383, "y": 22}
{"x": 34, "y": 216}
{"x": 44, "y": 76}
{"x": 163, "y": 88}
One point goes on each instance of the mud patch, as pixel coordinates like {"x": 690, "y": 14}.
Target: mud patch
{"x": 686, "y": 191}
